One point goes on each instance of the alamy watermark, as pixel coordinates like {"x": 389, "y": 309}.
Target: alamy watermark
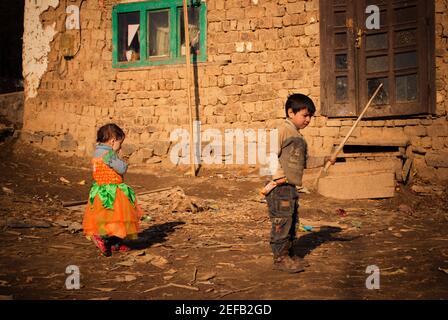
{"x": 373, "y": 280}
{"x": 373, "y": 20}
{"x": 73, "y": 281}
{"x": 233, "y": 146}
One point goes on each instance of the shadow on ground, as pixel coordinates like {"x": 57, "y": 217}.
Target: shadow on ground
{"x": 155, "y": 234}
{"x": 307, "y": 243}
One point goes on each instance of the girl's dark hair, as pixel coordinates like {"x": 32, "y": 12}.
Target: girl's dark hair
{"x": 109, "y": 131}
{"x": 298, "y": 101}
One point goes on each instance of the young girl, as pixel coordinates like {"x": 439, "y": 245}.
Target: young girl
{"x": 112, "y": 213}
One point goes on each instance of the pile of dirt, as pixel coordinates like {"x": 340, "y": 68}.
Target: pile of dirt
{"x": 173, "y": 200}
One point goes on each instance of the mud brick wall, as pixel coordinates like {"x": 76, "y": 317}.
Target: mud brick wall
{"x": 258, "y": 52}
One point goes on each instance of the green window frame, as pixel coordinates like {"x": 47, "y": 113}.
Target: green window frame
{"x": 174, "y": 8}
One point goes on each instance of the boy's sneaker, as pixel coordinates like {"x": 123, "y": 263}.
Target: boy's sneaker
{"x": 120, "y": 248}
{"x": 102, "y": 245}
{"x": 287, "y": 264}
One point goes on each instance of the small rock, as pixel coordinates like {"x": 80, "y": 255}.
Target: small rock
{"x": 74, "y": 227}
{"x": 341, "y": 212}
{"x": 126, "y": 278}
{"x": 443, "y": 270}
{"x": 61, "y": 223}
{"x": 406, "y": 209}
{"x": 146, "y": 218}
{"x": 158, "y": 261}
{"x": 422, "y": 189}
{"x": 207, "y": 276}
{"x": 7, "y": 190}
{"x": 126, "y": 263}
{"x": 171, "y": 271}
{"x": 154, "y": 160}
{"x": 62, "y": 179}
{"x": 143, "y": 259}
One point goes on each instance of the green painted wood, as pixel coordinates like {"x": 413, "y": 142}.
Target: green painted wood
{"x": 174, "y": 18}
{"x": 114, "y": 38}
{"x": 173, "y": 35}
{"x": 143, "y": 35}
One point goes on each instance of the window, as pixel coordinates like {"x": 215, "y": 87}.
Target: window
{"x": 152, "y": 33}
{"x": 355, "y": 59}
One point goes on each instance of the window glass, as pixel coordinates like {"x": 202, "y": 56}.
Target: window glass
{"x": 340, "y": 40}
{"x": 193, "y": 29}
{"x": 158, "y": 34}
{"x": 406, "y": 87}
{"x": 377, "y": 64}
{"x": 383, "y": 96}
{"x": 406, "y": 60}
{"x": 341, "y": 61}
{"x": 376, "y": 41}
{"x": 128, "y": 36}
{"x": 405, "y": 37}
{"x": 405, "y": 15}
{"x": 341, "y": 89}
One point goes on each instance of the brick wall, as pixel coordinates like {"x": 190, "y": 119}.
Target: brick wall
{"x": 258, "y": 52}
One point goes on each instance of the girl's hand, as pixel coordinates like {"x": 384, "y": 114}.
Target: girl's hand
{"x": 122, "y": 155}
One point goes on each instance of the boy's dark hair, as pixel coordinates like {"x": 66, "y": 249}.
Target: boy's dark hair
{"x": 297, "y": 102}
{"x": 109, "y": 131}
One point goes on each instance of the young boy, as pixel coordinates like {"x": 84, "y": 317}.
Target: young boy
{"x": 283, "y": 199}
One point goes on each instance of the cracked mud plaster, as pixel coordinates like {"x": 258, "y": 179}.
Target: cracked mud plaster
{"x": 36, "y": 44}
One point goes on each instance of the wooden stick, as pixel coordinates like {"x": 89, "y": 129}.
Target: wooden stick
{"x": 73, "y": 203}
{"x": 341, "y": 145}
{"x": 187, "y": 56}
{"x": 171, "y": 284}
{"x": 154, "y": 191}
{"x": 195, "y": 272}
{"x": 236, "y": 291}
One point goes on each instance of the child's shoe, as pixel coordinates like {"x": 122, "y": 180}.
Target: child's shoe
{"x": 120, "y": 248}
{"x": 287, "y": 264}
{"x": 102, "y": 245}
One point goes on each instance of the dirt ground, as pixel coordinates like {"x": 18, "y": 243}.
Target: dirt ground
{"x": 216, "y": 248}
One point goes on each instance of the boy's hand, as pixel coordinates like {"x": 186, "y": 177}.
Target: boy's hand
{"x": 330, "y": 159}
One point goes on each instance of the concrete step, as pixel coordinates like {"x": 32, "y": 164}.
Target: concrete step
{"x": 367, "y": 185}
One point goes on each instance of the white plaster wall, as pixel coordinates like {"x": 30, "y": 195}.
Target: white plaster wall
{"x": 36, "y": 44}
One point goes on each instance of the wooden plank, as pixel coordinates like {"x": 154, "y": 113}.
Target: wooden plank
{"x": 363, "y": 166}
{"x": 396, "y": 142}
{"x": 370, "y": 185}
{"x": 370, "y": 154}
{"x": 406, "y": 169}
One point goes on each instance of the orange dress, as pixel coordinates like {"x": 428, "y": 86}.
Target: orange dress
{"x": 112, "y": 209}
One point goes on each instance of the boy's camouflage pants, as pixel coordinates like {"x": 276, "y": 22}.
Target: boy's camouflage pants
{"x": 283, "y": 205}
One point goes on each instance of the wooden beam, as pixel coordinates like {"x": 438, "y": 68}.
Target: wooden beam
{"x": 188, "y": 72}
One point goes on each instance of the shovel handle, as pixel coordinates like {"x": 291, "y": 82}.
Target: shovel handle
{"x": 341, "y": 145}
